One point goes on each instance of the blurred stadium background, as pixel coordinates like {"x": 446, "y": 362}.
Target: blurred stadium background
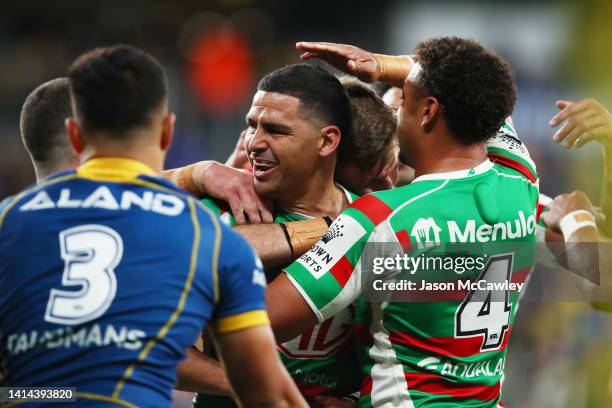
{"x": 216, "y": 50}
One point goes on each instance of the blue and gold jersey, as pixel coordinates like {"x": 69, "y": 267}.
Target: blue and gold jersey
{"x": 108, "y": 274}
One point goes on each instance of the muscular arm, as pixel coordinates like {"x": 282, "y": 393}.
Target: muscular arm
{"x": 288, "y": 311}
{"x": 254, "y": 369}
{"x": 276, "y": 245}
{"x": 200, "y": 373}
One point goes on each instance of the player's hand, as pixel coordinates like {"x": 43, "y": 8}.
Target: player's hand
{"x": 564, "y": 204}
{"x": 239, "y": 159}
{"x": 322, "y": 401}
{"x": 586, "y": 120}
{"x": 236, "y": 188}
{"x": 346, "y": 58}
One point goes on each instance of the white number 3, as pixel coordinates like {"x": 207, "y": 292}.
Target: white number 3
{"x": 90, "y": 254}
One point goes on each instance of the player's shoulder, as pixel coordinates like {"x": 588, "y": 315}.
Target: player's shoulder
{"x": 35, "y": 193}
{"x": 508, "y": 150}
{"x": 371, "y": 210}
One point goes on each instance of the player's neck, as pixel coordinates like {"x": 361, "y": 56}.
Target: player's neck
{"x": 320, "y": 198}
{"x": 449, "y": 157}
{"x": 148, "y": 155}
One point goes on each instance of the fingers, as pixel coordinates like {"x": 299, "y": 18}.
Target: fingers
{"x": 309, "y": 55}
{"x": 590, "y": 135}
{"x": 235, "y": 204}
{"x": 575, "y": 126}
{"x": 569, "y": 110}
{"x": 561, "y": 104}
{"x": 251, "y": 209}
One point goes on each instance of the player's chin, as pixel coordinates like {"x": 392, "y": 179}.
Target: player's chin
{"x": 265, "y": 188}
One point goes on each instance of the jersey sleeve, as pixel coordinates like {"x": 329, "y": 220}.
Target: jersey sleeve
{"x": 328, "y": 276}
{"x": 506, "y": 149}
{"x": 242, "y": 286}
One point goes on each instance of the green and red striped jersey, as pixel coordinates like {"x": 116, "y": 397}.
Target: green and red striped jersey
{"x": 321, "y": 361}
{"x": 447, "y": 349}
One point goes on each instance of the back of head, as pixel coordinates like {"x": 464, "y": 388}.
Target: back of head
{"x": 322, "y": 96}
{"x": 42, "y": 126}
{"x": 116, "y": 90}
{"x": 373, "y": 136}
{"x": 474, "y": 86}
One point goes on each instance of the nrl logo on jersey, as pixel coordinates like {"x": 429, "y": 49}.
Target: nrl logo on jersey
{"x": 426, "y": 232}
{"x": 333, "y": 232}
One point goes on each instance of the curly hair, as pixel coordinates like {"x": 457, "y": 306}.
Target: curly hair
{"x": 474, "y": 86}
{"x": 373, "y": 128}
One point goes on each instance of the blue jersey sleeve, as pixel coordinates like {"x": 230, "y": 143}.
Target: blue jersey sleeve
{"x": 242, "y": 286}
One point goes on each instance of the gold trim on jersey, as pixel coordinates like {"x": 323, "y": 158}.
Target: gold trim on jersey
{"x": 98, "y": 397}
{"x": 241, "y": 321}
{"x": 113, "y": 169}
{"x": 179, "y": 307}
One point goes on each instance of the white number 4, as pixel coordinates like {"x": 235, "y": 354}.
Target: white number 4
{"x": 486, "y": 312}
{"x": 90, "y": 254}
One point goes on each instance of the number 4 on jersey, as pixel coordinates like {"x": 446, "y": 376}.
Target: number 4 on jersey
{"x": 486, "y": 312}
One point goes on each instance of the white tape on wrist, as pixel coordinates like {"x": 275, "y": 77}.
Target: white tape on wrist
{"x": 576, "y": 220}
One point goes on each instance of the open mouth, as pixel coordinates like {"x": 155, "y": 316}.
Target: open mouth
{"x": 263, "y": 168}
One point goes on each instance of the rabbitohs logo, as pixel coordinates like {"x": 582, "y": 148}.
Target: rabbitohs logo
{"x": 426, "y": 232}
{"x": 333, "y": 232}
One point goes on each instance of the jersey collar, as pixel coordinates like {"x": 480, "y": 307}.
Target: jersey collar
{"x": 481, "y": 168}
{"x": 114, "y": 169}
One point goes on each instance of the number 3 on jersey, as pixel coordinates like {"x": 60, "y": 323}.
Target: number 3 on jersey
{"x": 90, "y": 254}
{"x": 486, "y": 312}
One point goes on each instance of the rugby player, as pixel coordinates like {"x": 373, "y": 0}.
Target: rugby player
{"x": 299, "y": 121}
{"x": 44, "y": 136}
{"x": 454, "y": 101}
{"x": 102, "y": 227}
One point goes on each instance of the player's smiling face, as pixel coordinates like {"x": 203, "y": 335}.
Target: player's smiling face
{"x": 281, "y": 143}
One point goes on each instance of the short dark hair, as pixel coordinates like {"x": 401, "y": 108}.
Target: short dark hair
{"x": 320, "y": 93}
{"x": 42, "y": 121}
{"x": 474, "y": 86}
{"x": 115, "y": 89}
{"x": 374, "y": 126}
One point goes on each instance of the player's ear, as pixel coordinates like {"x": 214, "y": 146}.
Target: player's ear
{"x": 430, "y": 110}
{"x": 329, "y": 140}
{"x": 74, "y": 134}
{"x": 167, "y": 131}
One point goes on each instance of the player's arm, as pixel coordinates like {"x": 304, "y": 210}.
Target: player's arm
{"x": 365, "y": 65}
{"x": 234, "y": 186}
{"x": 255, "y": 370}
{"x": 573, "y": 216}
{"x": 321, "y": 282}
{"x": 241, "y": 331}
{"x": 585, "y": 121}
{"x": 279, "y": 244}
{"x": 200, "y": 373}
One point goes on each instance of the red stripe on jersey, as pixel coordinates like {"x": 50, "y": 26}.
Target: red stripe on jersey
{"x": 404, "y": 240}
{"x": 540, "y": 207}
{"x": 373, "y": 208}
{"x": 513, "y": 164}
{"x": 342, "y": 270}
{"x": 310, "y": 390}
{"x": 520, "y": 276}
{"x": 445, "y": 346}
{"x": 362, "y": 334}
{"x": 436, "y": 384}
{"x": 366, "y": 385}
